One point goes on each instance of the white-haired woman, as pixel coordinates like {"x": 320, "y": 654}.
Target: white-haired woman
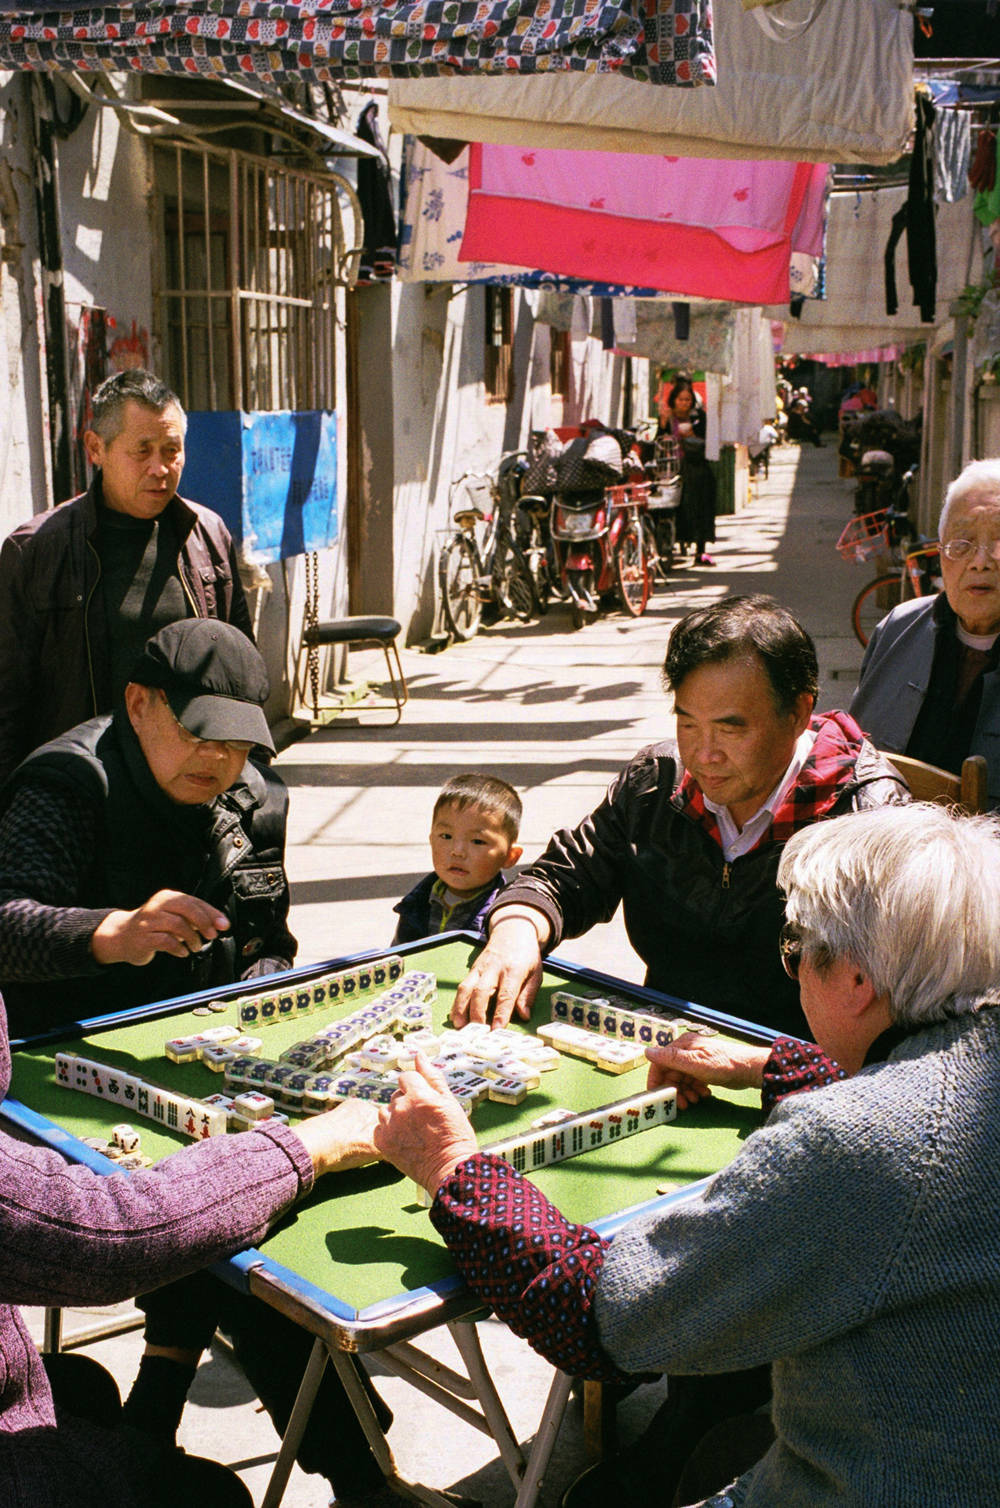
{"x": 929, "y": 682}
{"x": 855, "y": 1241}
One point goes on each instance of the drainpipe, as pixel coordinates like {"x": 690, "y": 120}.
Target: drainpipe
{"x": 46, "y": 165}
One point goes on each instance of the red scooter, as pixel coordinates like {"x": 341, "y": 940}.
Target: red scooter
{"x": 600, "y": 548}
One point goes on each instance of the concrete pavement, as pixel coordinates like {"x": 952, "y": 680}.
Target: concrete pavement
{"x": 557, "y": 713}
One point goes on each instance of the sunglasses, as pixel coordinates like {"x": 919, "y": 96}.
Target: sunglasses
{"x": 790, "y": 948}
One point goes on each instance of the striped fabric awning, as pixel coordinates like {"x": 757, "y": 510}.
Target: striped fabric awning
{"x": 665, "y": 42}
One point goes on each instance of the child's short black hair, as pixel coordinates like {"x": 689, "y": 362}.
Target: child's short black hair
{"x": 490, "y": 795}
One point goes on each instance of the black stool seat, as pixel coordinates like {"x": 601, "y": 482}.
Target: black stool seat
{"x": 364, "y": 630}
{"x": 353, "y": 630}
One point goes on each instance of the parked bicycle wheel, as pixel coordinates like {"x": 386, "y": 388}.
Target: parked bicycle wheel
{"x": 513, "y": 587}
{"x": 537, "y": 557}
{"x": 458, "y": 578}
{"x": 873, "y": 602}
{"x": 631, "y": 571}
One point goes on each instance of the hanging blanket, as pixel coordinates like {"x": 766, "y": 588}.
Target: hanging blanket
{"x": 842, "y": 92}
{"x": 669, "y": 42}
{"x": 703, "y": 227}
{"x": 435, "y": 201}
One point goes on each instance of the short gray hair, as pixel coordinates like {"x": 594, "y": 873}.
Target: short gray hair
{"x": 911, "y": 894}
{"x": 132, "y": 386}
{"x": 978, "y": 476}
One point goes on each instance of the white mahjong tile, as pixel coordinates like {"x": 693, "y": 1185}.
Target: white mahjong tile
{"x": 253, "y": 1105}
{"x": 216, "y": 1057}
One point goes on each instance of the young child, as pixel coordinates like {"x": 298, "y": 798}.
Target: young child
{"x": 473, "y": 837}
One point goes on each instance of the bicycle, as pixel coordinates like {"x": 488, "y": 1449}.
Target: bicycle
{"x": 480, "y": 563}
{"x": 913, "y": 570}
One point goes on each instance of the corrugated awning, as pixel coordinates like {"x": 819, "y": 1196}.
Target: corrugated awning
{"x": 666, "y": 43}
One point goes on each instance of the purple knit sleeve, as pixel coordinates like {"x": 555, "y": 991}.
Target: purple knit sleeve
{"x": 537, "y": 1271}
{"x": 795, "y": 1067}
{"x": 69, "y": 1235}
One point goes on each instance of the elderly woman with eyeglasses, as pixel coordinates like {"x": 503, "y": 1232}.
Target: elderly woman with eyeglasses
{"x": 929, "y": 685}
{"x": 854, "y": 1243}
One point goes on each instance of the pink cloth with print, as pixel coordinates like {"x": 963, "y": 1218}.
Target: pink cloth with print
{"x": 703, "y": 226}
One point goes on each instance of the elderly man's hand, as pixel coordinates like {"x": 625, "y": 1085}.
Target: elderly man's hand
{"x": 506, "y": 975}
{"x": 425, "y": 1133}
{"x": 341, "y": 1138}
{"x": 695, "y": 1061}
{"x": 169, "y": 922}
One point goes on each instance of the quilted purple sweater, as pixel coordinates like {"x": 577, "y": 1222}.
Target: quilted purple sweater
{"x": 71, "y": 1236}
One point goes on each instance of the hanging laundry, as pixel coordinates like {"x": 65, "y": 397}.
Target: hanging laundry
{"x": 435, "y": 200}
{"x": 378, "y": 256}
{"x": 704, "y": 227}
{"x": 322, "y": 41}
{"x": 952, "y": 154}
{"x": 916, "y": 218}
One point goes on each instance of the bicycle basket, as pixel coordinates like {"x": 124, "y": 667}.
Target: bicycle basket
{"x": 865, "y": 536}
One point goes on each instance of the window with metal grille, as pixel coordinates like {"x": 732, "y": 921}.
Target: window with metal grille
{"x": 499, "y": 376}
{"x": 252, "y": 253}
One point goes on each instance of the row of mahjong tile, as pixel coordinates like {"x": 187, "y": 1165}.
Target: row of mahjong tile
{"x": 611, "y": 1017}
{"x": 329, "y": 990}
{"x": 178, "y": 1112}
{"x": 219, "y": 1046}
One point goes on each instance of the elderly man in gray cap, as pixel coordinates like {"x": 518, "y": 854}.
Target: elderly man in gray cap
{"x": 141, "y": 857}
{"x": 141, "y": 853}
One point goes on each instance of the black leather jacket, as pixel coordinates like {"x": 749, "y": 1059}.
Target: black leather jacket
{"x": 706, "y": 930}
{"x": 85, "y": 830}
{"x": 54, "y": 660}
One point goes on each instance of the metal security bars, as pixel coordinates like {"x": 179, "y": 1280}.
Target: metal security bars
{"x": 252, "y": 253}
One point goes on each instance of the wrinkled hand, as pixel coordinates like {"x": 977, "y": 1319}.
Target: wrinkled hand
{"x": 340, "y": 1138}
{"x": 425, "y": 1133}
{"x": 169, "y": 922}
{"x": 506, "y": 975}
{"x": 694, "y": 1062}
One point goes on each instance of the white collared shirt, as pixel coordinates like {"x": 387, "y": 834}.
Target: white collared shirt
{"x": 735, "y": 842}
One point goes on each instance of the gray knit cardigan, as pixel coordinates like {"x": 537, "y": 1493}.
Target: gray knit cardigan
{"x": 854, "y": 1243}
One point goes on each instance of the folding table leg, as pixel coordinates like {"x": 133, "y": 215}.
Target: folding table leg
{"x": 299, "y": 1418}
{"x": 545, "y": 1439}
{"x": 466, "y": 1338}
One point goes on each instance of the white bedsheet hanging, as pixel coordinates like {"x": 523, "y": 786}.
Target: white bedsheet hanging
{"x": 842, "y": 91}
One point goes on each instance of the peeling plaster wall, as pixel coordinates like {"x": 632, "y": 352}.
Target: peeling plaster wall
{"x": 23, "y": 453}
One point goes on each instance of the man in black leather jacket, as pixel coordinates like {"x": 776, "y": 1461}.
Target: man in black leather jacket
{"x": 689, "y": 835}
{"x": 142, "y": 857}
{"x": 142, "y": 854}
{"x": 84, "y": 585}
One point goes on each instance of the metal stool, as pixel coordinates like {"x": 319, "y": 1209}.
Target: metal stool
{"x": 380, "y": 632}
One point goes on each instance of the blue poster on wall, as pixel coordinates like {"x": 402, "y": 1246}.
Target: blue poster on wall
{"x": 272, "y": 477}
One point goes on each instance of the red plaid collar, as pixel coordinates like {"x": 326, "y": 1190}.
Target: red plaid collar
{"x": 817, "y": 788}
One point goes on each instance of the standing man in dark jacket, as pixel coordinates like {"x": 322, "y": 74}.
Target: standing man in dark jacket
{"x": 689, "y": 835}
{"x": 84, "y": 585}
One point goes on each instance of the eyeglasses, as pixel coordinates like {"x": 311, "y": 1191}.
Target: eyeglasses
{"x": 968, "y": 549}
{"x": 790, "y": 948}
{"x": 235, "y": 746}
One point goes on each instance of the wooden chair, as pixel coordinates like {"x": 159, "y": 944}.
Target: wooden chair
{"x": 928, "y": 782}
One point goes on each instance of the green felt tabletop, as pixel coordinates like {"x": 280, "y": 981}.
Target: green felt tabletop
{"x": 361, "y": 1236}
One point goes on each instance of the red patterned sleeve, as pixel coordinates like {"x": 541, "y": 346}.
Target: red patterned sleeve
{"x": 795, "y": 1067}
{"x": 537, "y": 1271}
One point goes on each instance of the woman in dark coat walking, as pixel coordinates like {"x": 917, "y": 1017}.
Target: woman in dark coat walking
{"x": 696, "y": 514}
